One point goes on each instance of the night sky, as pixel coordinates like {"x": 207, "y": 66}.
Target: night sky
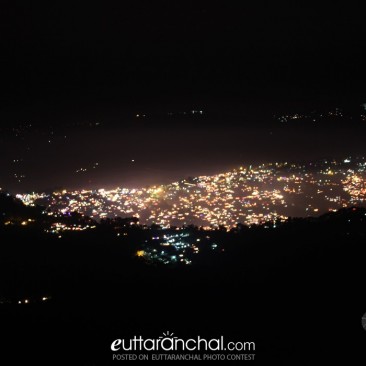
{"x": 86, "y": 71}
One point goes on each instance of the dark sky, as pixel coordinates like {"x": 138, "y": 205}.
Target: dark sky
{"x": 135, "y": 51}
{"x": 73, "y": 63}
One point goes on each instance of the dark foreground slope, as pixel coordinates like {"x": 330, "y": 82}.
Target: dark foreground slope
{"x": 296, "y": 290}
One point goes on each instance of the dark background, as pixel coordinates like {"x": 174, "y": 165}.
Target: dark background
{"x": 66, "y": 67}
{"x": 143, "y": 52}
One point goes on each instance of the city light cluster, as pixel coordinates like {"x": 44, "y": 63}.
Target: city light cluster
{"x": 248, "y": 195}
